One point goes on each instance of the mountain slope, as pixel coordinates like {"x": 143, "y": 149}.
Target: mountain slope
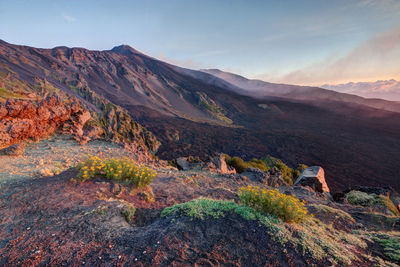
{"x": 122, "y": 75}
{"x": 262, "y": 89}
{"x": 195, "y": 113}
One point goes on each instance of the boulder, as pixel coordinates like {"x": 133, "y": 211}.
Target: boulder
{"x": 183, "y": 164}
{"x": 218, "y": 164}
{"x": 313, "y": 177}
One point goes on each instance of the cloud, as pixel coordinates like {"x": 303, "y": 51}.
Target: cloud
{"x": 383, "y": 4}
{"x": 378, "y": 58}
{"x": 68, "y": 18}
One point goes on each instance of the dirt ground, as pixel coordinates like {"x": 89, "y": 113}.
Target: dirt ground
{"x": 52, "y": 156}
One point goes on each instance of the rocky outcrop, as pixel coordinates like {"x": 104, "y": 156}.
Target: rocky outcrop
{"x": 313, "y": 177}
{"x": 22, "y": 119}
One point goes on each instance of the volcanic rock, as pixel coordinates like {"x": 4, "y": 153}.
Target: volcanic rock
{"x": 313, "y": 177}
{"x": 218, "y": 164}
{"x": 24, "y": 119}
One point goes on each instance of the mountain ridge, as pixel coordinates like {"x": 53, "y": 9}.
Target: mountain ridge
{"x": 259, "y": 88}
{"x": 195, "y": 113}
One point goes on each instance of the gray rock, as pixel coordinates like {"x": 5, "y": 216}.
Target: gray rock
{"x": 183, "y": 164}
{"x": 313, "y": 177}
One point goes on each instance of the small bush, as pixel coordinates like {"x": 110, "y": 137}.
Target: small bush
{"x": 121, "y": 170}
{"x": 204, "y": 208}
{"x": 128, "y": 212}
{"x": 240, "y": 165}
{"x": 237, "y": 163}
{"x": 390, "y": 244}
{"x": 288, "y": 208}
{"x": 90, "y": 167}
{"x": 258, "y": 163}
{"x": 369, "y": 200}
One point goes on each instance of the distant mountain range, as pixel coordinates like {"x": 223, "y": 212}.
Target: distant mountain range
{"x": 388, "y": 89}
{"x": 191, "y": 112}
{"x": 260, "y": 89}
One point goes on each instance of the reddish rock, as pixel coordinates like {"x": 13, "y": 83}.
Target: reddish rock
{"x": 23, "y": 119}
{"x": 218, "y": 164}
{"x": 3, "y": 112}
{"x": 14, "y": 107}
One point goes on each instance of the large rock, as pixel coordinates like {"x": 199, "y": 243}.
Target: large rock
{"x": 313, "y": 177}
{"x": 218, "y": 164}
{"x": 183, "y": 164}
{"x": 24, "y": 119}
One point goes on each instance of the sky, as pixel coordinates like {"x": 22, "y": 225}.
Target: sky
{"x": 307, "y": 42}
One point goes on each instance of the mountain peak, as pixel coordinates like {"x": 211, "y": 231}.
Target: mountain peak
{"x": 125, "y": 50}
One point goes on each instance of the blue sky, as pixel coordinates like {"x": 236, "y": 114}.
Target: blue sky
{"x": 293, "y": 41}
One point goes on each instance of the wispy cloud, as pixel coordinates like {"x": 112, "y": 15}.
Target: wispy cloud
{"x": 68, "y": 18}
{"x": 385, "y": 4}
{"x": 378, "y": 58}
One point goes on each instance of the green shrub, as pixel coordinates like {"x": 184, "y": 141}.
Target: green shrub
{"x": 202, "y": 208}
{"x": 289, "y": 175}
{"x": 287, "y": 172}
{"x": 128, "y": 212}
{"x": 286, "y": 207}
{"x": 391, "y": 246}
{"x": 237, "y": 163}
{"x": 121, "y": 170}
{"x": 258, "y": 163}
{"x": 369, "y": 200}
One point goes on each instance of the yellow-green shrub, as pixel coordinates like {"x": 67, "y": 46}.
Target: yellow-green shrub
{"x": 122, "y": 170}
{"x": 288, "y": 208}
{"x": 90, "y": 167}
